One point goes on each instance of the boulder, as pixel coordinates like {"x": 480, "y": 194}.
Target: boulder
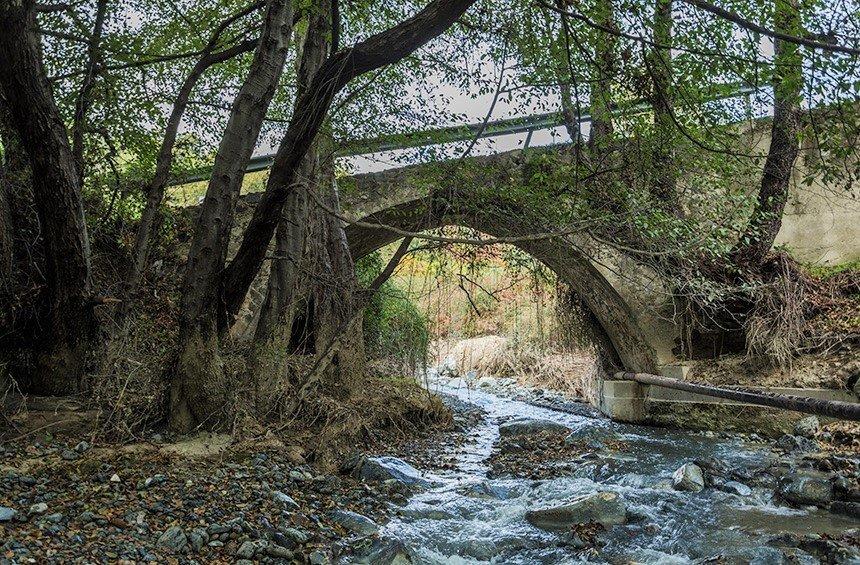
{"x": 851, "y": 509}
{"x": 737, "y": 488}
{"x": 385, "y": 553}
{"x": 489, "y": 490}
{"x": 688, "y": 478}
{"x": 527, "y": 426}
{"x": 799, "y": 444}
{"x": 591, "y": 436}
{"x": 354, "y": 522}
{"x": 604, "y": 508}
{"x": 385, "y": 468}
{"x": 807, "y": 427}
{"x": 714, "y": 467}
{"x": 804, "y": 490}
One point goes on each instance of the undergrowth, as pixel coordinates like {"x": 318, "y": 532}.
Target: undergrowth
{"x": 800, "y": 309}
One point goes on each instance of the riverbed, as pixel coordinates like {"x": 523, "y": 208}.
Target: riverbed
{"x": 469, "y": 515}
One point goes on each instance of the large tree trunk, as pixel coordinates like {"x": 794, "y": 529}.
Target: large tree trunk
{"x": 312, "y": 108}
{"x": 69, "y": 325}
{"x": 766, "y": 219}
{"x": 273, "y": 335}
{"x": 22, "y": 267}
{"x": 601, "y": 93}
{"x": 274, "y": 326}
{"x": 337, "y": 327}
{"x": 198, "y": 393}
{"x": 7, "y": 230}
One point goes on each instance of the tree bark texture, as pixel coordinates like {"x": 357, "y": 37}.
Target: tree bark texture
{"x": 601, "y": 94}
{"x": 659, "y": 63}
{"x": 766, "y": 219}
{"x": 289, "y": 267}
{"x": 292, "y": 228}
{"x": 68, "y": 321}
{"x": 20, "y": 239}
{"x": 198, "y": 393}
{"x": 337, "y": 328}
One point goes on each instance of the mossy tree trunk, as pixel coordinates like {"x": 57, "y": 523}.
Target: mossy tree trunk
{"x": 659, "y": 65}
{"x": 288, "y": 285}
{"x": 198, "y": 391}
{"x": 337, "y": 327}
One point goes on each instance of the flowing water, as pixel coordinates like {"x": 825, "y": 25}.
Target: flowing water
{"x": 468, "y": 518}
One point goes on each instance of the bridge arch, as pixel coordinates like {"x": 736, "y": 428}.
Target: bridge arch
{"x": 613, "y": 314}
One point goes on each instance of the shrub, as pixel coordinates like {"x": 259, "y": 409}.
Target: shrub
{"x": 394, "y": 328}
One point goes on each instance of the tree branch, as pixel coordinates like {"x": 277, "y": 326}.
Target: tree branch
{"x": 311, "y": 110}
{"x": 773, "y": 34}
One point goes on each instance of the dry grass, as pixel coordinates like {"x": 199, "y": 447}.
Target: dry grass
{"x": 571, "y": 373}
{"x": 776, "y": 327}
{"x": 795, "y": 311}
{"x": 332, "y": 426}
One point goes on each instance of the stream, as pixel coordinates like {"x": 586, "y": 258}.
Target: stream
{"x": 466, "y": 517}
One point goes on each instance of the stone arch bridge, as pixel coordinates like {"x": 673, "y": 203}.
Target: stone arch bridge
{"x": 633, "y": 311}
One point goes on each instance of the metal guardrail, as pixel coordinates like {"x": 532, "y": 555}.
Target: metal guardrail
{"x": 467, "y": 132}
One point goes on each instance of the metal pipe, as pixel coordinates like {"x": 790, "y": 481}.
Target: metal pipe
{"x": 831, "y": 408}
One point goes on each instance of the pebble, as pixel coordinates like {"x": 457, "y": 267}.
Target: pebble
{"x": 295, "y": 535}
{"x": 173, "y": 539}
{"x": 246, "y": 550}
{"x": 278, "y": 552}
{"x": 38, "y": 508}
{"x": 151, "y": 481}
{"x": 69, "y": 455}
{"x": 198, "y": 539}
{"x": 355, "y": 522}
{"x": 7, "y": 514}
{"x": 115, "y": 478}
{"x": 285, "y": 500}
